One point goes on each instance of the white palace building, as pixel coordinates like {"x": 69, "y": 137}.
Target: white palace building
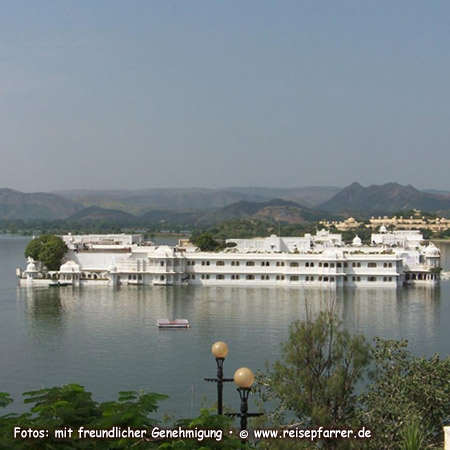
{"x": 322, "y": 260}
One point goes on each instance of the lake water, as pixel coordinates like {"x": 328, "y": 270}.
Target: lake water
{"x": 106, "y": 338}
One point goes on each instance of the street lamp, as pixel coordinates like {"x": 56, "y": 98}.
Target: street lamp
{"x": 220, "y": 351}
{"x": 244, "y": 379}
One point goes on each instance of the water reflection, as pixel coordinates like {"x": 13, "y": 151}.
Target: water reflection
{"x": 444, "y": 247}
{"x": 394, "y": 314}
{"x": 107, "y": 339}
{"x": 44, "y": 309}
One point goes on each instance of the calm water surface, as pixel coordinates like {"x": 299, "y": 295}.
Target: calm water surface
{"x": 106, "y": 338}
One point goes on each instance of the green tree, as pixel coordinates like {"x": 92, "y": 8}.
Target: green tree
{"x": 48, "y": 249}
{"x": 72, "y": 406}
{"x": 408, "y": 395}
{"x": 206, "y": 243}
{"x": 322, "y": 363}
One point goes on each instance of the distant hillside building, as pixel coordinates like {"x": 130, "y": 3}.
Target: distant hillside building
{"x": 398, "y": 223}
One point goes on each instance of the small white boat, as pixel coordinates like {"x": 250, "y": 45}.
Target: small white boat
{"x": 177, "y": 323}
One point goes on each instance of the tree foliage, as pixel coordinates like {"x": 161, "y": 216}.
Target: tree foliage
{"x": 404, "y": 401}
{"x": 206, "y": 243}
{"x": 406, "y": 390}
{"x": 322, "y": 363}
{"x": 72, "y": 406}
{"x": 48, "y": 249}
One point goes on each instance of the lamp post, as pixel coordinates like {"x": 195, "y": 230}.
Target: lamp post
{"x": 220, "y": 351}
{"x": 244, "y": 379}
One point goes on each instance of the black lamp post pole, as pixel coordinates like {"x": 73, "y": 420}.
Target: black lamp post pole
{"x": 244, "y": 414}
{"x": 219, "y": 380}
{"x": 219, "y": 362}
{"x": 243, "y": 394}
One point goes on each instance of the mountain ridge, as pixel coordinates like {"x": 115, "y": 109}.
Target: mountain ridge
{"x": 16, "y": 205}
{"x": 386, "y": 198}
{"x": 199, "y": 207}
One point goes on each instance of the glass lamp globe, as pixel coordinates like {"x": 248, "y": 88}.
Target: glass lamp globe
{"x": 220, "y": 350}
{"x": 244, "y": 377}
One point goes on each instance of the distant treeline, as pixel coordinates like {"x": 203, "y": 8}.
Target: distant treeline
{"x": 59, "y": 227}
{"x": 234, "y": 228}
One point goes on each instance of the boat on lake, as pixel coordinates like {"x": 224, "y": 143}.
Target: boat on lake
{"x": 59, "y": 284}
{"x": 177, "y": 323}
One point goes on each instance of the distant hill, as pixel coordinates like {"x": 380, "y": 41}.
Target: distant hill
{"x": 204, "y": 207}
{"x": 141, "y": 201}
{"x": 437, "y": 192}
{"x": 187, "y": 218}
{"x": 275, "y": 210}
{"x": 15, "y": 205}
{"x": 96, "y": 214}
{"x": 386, "y": 198}
{"x": 309, "y": 196}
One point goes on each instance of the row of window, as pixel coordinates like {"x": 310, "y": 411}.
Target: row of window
{"x": 282, "y": 264}
{"x": 134, "y": 277}
{"x": 169, "y": 263}
{"x": 291, "y": 278}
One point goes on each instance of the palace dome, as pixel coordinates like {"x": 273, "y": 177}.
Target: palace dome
{"x": 432, "y": 251}
{"x": 69, "y": 266}
{"x": 357, "y": 241}
{"x": 31, "y": 267}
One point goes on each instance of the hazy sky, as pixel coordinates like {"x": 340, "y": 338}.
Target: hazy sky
{"x": 135, "y": 94}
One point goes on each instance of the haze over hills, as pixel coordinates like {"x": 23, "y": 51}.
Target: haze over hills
{"x": 386, "y": 198}
{"x": 201, "y": 207}
{"x": 15, "y": 205}
{"x": 140, "y": 201}
{"x": 275, "y": 210}
{"x": 97, "y": 214}
{"x": 309, "y": 196}
{"x": 437, "y": 192}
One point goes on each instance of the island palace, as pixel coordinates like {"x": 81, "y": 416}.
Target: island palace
{"x": 393, "y": 259}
